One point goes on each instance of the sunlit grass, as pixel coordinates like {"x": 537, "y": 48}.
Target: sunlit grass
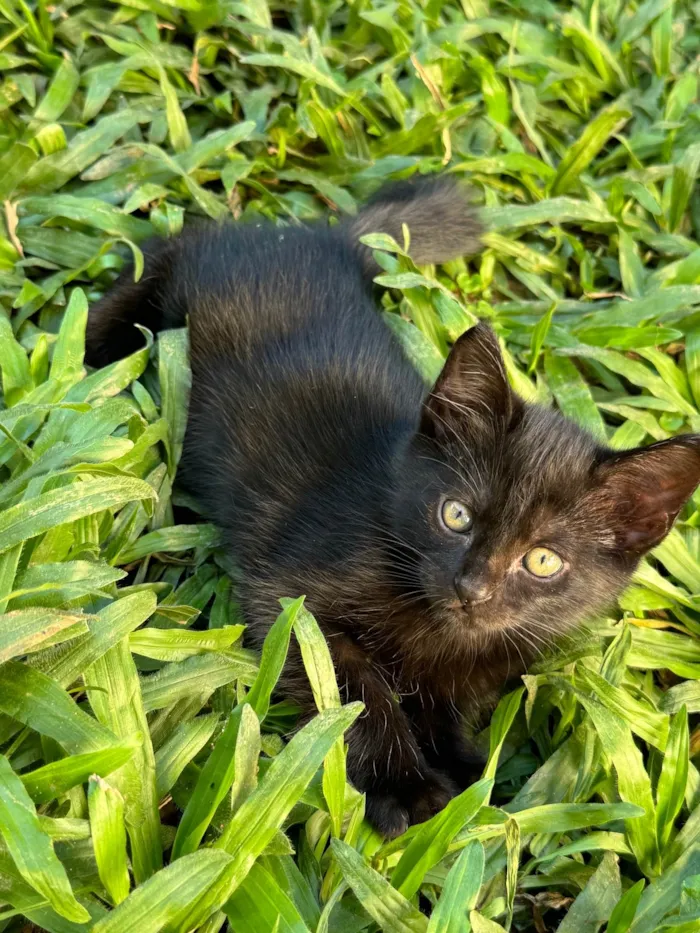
{"x": 576, "y": 124}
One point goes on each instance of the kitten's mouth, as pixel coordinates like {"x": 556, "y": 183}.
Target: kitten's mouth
{"x": 465, "y": 612}
{"x": 475, "y": 615}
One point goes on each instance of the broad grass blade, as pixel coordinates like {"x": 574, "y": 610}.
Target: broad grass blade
{"x": 386, "y": 906}
{"x": 106, "y": 808}
{"x": 115, "y": 696}
{"x": 31, "y": 848}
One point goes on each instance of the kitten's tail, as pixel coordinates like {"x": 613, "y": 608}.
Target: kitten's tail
{"x": 442, "y": 223}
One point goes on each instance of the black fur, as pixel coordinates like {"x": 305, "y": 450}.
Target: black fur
{"x": 314, "y": 447}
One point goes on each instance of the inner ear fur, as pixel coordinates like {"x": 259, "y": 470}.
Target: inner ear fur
{"x": 472, "y": 395}
{"x": 642, "y": 491}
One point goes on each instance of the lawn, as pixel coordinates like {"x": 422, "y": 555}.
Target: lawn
{"x": 144, "y": 781}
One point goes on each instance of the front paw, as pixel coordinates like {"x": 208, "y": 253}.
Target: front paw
{"x": 430, "y": 794}
{"x": 387, "y": 814}
{"x": 465, "y": 767}
{"x": 418, "y": 797}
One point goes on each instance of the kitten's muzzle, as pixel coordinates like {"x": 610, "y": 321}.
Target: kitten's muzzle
{"x": 471, "y": 592}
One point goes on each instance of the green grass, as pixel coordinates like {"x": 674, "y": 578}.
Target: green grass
{"x": 131, "y": 719}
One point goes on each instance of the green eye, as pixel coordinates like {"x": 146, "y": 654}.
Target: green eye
{"x": 541, "y": 562}
{"x": 456, "y": 516}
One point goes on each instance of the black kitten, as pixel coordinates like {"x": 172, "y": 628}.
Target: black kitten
{"x": 440, "y": 537}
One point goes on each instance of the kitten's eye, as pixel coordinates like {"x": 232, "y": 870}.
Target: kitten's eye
{"x": 456, "y": 516}
{"x": 541, "y": 562}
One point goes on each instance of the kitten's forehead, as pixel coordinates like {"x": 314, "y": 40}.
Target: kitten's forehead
{"x": 543, "y": 457}
{"x": 549, "y": 450}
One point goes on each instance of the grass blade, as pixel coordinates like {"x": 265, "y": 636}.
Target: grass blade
{"x": 35, "y": 516}
{"x": 319, "y": 669}
{"x": 115, "y": 696}
{"x": 254, "y": 824}
{"x": 385, "y": 905}
{"x": 37, "y": 701}
{"x": 684, "y": 176}
{"x": 31, "y": 848}
{"x": 176, "y": 752}
{"x": 573, "y": 395}
{"x": 215, "y": 780}
{"x": 174, "y": 377}
{"x": 595, "y": 903}
{"x": 106, "y": 807}
{"x": 259, "y": 904}
{"x": 623, "y": 914}
{"x": 27, "y": 630}
{"x": 433, "y": 838}
{"x": 167, "y": 895}
{"x": 459, "y": 892}
{"x": 57, "y": 777}
{"x": 589, "y": 144}
{"x": 671, "y": 788}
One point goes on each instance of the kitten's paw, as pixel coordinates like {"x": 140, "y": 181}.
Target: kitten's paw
{"x": 465, "y": 767}
{"x": 387, "y": 814}
{"x": 430, "y": 795}
{"x": 416, "y": 800}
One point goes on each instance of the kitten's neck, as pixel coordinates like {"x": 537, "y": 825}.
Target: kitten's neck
{"x": 418, "y": 657}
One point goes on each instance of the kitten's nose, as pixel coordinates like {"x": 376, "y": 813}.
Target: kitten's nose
{"x": 472, "y": 591}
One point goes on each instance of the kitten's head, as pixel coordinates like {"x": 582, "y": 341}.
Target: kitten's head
{"x": 514, "y": 519}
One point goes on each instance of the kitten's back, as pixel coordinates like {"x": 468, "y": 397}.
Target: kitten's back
{"x": 297, "y": 381}
{"x": 207, "y": 263}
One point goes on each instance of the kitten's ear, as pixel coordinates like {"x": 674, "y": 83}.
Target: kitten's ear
{"x": 472, "y": 395}
{"x": 642, "y": 491}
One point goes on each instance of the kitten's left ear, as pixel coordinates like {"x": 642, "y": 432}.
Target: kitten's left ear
{"x": 472, "y": 395}
{"x": 643, "y": 490}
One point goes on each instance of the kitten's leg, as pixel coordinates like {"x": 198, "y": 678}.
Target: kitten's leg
{"x": 111, "y": 326}
{"x": 443, "y": 739}
{"x": 384, "y": 757}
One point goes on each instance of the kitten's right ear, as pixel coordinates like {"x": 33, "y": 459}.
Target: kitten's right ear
{"x": 472, "y": 396}
{"x": 640, "y": 492}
